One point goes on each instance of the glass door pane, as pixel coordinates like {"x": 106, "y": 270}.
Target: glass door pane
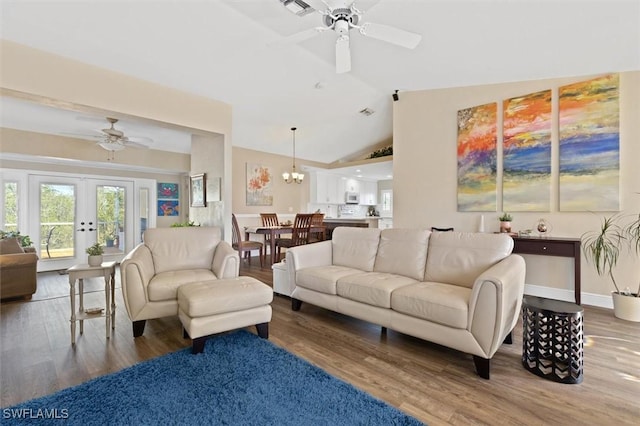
{"x": 57, "y": 212}
{"x": 111, "y": 208}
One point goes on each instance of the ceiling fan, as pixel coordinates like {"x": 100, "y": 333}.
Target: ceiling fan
{"x": 113, "y": 139}
{"x": 341, "y": 17}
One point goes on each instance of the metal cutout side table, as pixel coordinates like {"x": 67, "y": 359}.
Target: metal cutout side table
{"x": 553, "y": 339}
{"x": 79, "y": 273}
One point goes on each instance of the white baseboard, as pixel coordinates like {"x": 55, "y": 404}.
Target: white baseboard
{"x": 590, "y": 299}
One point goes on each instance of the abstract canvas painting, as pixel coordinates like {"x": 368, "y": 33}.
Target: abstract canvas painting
{"x": 589, "y": 134}
{"x": 477, "y": 145}
{"x": 526, "y": 179}
{"x": 168, "y": 191}
{"x": 259, "y": 185}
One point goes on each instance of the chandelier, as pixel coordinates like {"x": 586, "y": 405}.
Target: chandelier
{"x": 293, "y": 176}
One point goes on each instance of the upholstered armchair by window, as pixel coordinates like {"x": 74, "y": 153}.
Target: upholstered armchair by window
{"x": 18, "y": 269}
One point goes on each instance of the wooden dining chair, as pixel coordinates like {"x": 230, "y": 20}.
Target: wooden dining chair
{"x": 317, "y": 223}
{"x": 245, "y": 247}
{"x": 268, "y": 219}
{"x": 299, "y": 233}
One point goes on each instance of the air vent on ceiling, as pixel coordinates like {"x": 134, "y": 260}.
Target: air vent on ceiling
{"x": 298, "y": 7}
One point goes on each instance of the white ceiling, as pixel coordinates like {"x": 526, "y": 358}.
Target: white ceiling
{"x": 224, "y": 49}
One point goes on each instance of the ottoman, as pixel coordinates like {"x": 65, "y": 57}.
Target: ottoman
{"x": 211, "y": 307}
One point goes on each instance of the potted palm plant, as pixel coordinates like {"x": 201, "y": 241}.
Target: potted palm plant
{"x": 603, "y": 248}
{"x": 505, "y": 222}
{"x": 95, "y": 253}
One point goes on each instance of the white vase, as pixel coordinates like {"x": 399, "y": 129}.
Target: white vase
{"x": 626, "y": 307}
{"x": 95, "y": 260}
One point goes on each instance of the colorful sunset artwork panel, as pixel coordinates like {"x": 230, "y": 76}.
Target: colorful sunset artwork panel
{"x": 477, "y": 145}
{"x": 589, "y": 133}
{"x": 259, "y": 185}
{"x": 526, "y": 153}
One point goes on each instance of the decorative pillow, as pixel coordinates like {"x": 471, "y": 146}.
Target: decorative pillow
{"x": 10, "y": 246}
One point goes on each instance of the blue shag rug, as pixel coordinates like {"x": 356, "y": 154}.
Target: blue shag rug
{"x": 240, "y": 379}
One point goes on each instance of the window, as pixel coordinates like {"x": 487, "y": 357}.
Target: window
{"x": 10, "y": 219}
{"x": 386, "y": 202}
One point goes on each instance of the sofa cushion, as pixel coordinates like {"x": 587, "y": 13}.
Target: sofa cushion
{"x": 10, "y": 246}
{"x": 176, "y": 249}
{"x": 403, "y": 252}
{"x": 323, "y": 278}
{"x": 355, "y": 247}
{"x": 459, "y": 257}
{"x": 164, "y": 286}
{"x": 436, "y": 302}
{"x": 372, "y": 288}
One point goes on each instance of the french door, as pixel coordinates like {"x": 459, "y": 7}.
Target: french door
{"x": 70, "y": 214}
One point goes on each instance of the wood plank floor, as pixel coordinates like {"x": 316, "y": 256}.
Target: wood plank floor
{"x": 435, "y": 384}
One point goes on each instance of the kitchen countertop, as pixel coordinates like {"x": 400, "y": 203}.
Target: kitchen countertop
{"x": 350, "y": 219}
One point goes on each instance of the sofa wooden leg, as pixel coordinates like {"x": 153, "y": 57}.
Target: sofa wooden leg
{"x": 483, "y": 366}
{"x": 263, "y": 330}
{"x": 509, "y": 339}
{"x": 138, "y": 328}
{"x": 296, "y": 304}
{"x": 198, "y": 345}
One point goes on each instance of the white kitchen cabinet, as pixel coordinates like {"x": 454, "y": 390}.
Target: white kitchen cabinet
{"x": 352, "y": 185}
{"x": 325, "y": 189}
{"x": 368, "y": 193}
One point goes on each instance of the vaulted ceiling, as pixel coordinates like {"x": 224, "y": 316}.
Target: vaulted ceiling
{"x": 231, "y": 50}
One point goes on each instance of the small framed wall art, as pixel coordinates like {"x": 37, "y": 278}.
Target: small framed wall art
{"x": 197, "y": 190}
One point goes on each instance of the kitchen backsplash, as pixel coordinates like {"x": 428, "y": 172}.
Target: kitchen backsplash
{"x": 341, "y": 210}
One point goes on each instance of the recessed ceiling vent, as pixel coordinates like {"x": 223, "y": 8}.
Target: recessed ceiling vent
{"x": 367, "y": 111}
{"x": 298, "y": 7}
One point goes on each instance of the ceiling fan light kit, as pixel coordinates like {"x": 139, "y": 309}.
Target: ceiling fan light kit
{"x": 342, "y": 19}
{"x": 293, "y": 176}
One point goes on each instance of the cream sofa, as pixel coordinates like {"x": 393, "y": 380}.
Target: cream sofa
{"x": 167, "y": 259}
{"x": 460, "y": 290}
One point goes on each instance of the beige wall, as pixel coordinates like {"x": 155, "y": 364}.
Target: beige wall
{"x": 287, "y": 198}
{"x": 77, "y": 86}
{"x": 425, "y": 174}
{"x": 207, "y": 156}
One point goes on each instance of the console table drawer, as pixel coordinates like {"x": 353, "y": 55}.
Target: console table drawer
{"x": 545, "y": 248}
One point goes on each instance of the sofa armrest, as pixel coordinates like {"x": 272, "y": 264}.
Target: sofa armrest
{"x": 494, "y": 305}
{"x": 226, "y": 261}
{"x": 310, "y": 255}
{"x": 17, "y": 260}
{"x": 136, "y": 270}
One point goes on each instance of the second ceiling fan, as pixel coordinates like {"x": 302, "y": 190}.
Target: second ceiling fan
{"x": 341, "y": 17}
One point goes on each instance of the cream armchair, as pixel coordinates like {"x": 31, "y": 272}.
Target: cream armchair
{"x": 167, "y": 259}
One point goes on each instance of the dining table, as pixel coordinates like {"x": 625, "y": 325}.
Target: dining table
{"x": 274, "y": 232}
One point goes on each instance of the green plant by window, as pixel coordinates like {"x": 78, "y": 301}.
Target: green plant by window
{"x": 95, "y": 250}
{"x": 25, "y": 240}
{"x": 505, "y": 217}
{"x": 183, "y": 224}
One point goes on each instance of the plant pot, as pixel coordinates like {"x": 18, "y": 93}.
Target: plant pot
{"x": 505, "y": 226}
{"x": 626, "y": 307}
{"x": 95, "y": 260}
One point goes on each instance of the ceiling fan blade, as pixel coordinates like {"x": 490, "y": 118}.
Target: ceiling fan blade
{"x": 343, "y": 55}
{"x": 131, "y": 144}
{"x": 298, "y": 37}
{"x": 138, "y": 139}
{"x": 82, "y": 136}
{"x": 391, "y": 35}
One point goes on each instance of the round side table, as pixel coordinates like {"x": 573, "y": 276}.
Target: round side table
{"x": 553, "y": 339}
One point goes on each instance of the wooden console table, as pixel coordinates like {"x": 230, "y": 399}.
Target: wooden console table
{"x": 548, "y": 246}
